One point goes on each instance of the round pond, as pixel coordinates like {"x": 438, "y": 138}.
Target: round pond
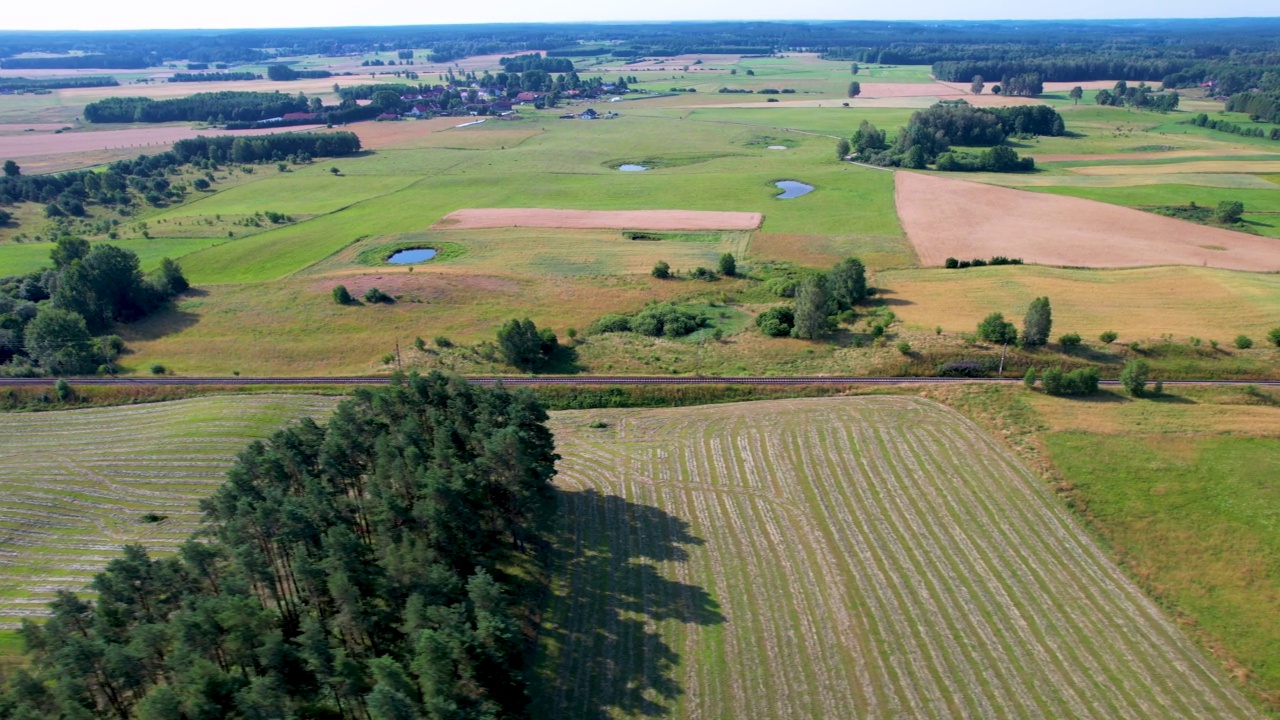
{"x": 632, "y": 168}
{"x": 792, "y": 189}
{"x": 412, "y": 255}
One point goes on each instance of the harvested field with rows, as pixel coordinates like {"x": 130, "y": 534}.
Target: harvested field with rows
{"x": 78, "y": 485}
{"x": 840, "y": 557}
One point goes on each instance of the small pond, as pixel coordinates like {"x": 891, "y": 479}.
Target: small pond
{"x": 792, "y": 189}
{"x": 777, "y": 147}
{"x": 413, "y": 255}
{"x": 632, "y": 168}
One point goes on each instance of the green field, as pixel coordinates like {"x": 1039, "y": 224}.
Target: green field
{"x": 78, "y": 484}
{"x": 792, "y": 558}
{"x": 849, "y": 557}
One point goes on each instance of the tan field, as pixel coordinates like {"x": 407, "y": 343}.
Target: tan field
{"x": 143, "y": 140}
{"x": 954, "y": 218}
{"x": 1149, "y": 155}
{"x": 599, "y": 219}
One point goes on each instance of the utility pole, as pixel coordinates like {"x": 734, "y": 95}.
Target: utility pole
{"x": 1003, "y": 352}
{"x": 398, "y": 365}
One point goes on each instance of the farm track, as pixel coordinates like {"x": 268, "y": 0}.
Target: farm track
{"x": 839, "y": 557}
{"x": 77, "y": 484}
{"x": 589, "y": 380}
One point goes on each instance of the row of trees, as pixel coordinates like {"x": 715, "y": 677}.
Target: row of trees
{"x": 1036, "y": 326}
{"x": 1224, "y": 125}
{"x": 1259, "y": 106}
{"x": 282, "y": 72}
{"x": 535, "y": 61}
{"x": 1139, "y": 96}
{"x": 49, "y": 318}
{"x": 356, "y": 571}
{"x": 229, "y": 105}
{"x": 212, "y": 77}
{"x": 230, "y": 148}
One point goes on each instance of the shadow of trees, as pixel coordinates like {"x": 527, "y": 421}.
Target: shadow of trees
{"x": 612, "y": 659}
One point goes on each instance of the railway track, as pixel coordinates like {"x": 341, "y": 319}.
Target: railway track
{"x": 592, "y": 380}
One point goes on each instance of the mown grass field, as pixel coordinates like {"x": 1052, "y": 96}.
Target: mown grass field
{"x": 1181, "y": 488}
{"x": 846, "y": 557}
{"x": 77, "y": 484}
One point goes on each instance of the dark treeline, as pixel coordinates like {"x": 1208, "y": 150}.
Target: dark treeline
{"x": 1061, "y": 69}
{"x": 229, "y": 148}
{"x": 284, "y": 72}
{"x": 534, "y": 61}
{"x": 24, "y": 84}
{"x": 78, "y": 62}
{"x": 1259, "y": 106}
{"x": 220, "y": 106}
{"x": 67, "y": 193}
{"x": 213, "y": 77}
{"x": 361, "y": 570}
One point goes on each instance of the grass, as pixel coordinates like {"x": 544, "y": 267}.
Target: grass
{"x": 1261, "y": 205}
{"x": 896, "y": 558}
{"x": 85, "y": 478}
{"x": 1139, "y": 304}
{"x": 23, "y": 258}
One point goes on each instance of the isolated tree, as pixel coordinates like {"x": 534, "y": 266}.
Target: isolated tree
{"x": 1243, "y": 342}
{"x": 1134, "y": 377}
{"x": 1108, "y": 336}
{"x": 169, "y": 280}
{"x": 813, "y": 306}
{"x": 520, "y": 343}
{"x": 976, "y": 86}
{"x": 853, "y": 69}
{"x": 11, "y": 169}
{"x": 1029, "y": 379}
{"x": 728, "y": 265}
{"x": 1076, "y": 93}
{"x": 1229, "y": 212}
{"x": 341, "y": 295}
{"x": 995, "y": 329}
{"x": 661, "y": 270}
{"x": 334, "y": 170}
{"x": 855, "y": 89}
{"x": 1037, "y": 323}
{"x": 847, "y": 282}
{"x": 842, "y": 149}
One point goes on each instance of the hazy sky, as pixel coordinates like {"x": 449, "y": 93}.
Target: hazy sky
{"x": 128, "y": 14}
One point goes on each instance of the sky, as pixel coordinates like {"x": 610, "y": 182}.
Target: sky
{"x": 137, "y": 14}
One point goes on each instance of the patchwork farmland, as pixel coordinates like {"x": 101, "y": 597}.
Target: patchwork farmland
{"x": 869, "y": 557}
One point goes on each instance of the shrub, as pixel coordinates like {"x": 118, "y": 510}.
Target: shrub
{"x": 951, "y": 263}
{"x": 1083, "y": 381}
{"x": 63, "y": 390}
{"x": 374, "y": 295}
{"x": 701, "y": 273}
{"x": 995, "y": 329}
{"x": 662, "y": 270}
{"x": 1229, "y": 212}
{"x": 1274, "y": 337}
{"x": 157, "y": 369}
{"x": 341, "y": 295}
{"x": 904, "y": 347}
{"x": 1243, "y": 342}
{"x": 776, "y": 321}
{"x": 1108, "y": 337}
{"x": 1134, "y": 377}
{"x": 1069, "y": 340}
{"x": 419, "y": 344}
{"x": 612, "y": 323}
{"x": 1029, "y": 379}
{"x": 442, "y": 341}
{"x": 963, "y": 368}
{"x": 728, "y": 266}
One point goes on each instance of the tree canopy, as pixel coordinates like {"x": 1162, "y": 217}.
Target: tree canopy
{"x": 358, "y": 570}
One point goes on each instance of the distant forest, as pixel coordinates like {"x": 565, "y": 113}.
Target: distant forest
{"x": 1234, "y": 54}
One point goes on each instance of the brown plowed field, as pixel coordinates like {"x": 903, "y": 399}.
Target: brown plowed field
{"x": 599, "y": 219}
{"x": 954, "y": 218}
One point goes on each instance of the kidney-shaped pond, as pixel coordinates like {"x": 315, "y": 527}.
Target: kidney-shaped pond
{"x": 412, "y": 255}
{"x": 792, "y": 189}
{"x": 629, "y": 167}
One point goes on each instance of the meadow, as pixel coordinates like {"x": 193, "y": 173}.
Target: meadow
{"x": 880, "y": 557}
{"x": 784, "y": 558}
